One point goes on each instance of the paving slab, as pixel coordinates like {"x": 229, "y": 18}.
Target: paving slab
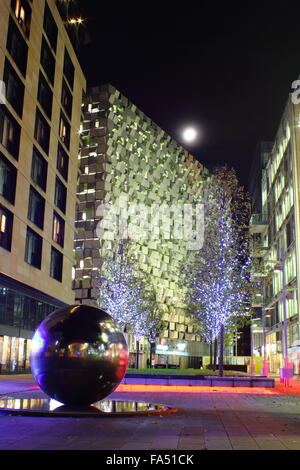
{"x": 204, "y": 421}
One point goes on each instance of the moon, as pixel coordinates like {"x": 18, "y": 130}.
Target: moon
{"x": 189, "y": 134}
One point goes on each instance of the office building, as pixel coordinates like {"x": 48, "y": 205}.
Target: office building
{"x": 39, "y": 139}
{"x": 276, "y": 233}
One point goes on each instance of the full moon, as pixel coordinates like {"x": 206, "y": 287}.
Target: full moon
{"x": 189, "y": 134}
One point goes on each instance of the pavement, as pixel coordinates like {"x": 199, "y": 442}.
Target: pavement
{"x": 212, "y": 420}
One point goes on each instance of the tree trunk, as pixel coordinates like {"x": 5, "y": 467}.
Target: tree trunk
{"x": 137, "y": 354}
{"x": 215, "y": 354}
{"x": 221, "y": 352}
{"x": 150, "y": 359}
{"x": 210, "y": 355}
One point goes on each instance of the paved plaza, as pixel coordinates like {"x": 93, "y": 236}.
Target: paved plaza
{"x": 204, "y": 421}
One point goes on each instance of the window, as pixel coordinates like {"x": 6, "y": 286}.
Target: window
{"x": 33, "y": 249}
{"x": 290, "y": 231}
{"x": 8, "y": 179}
{"x": 10, "y": 132}
{"x": 6, "y": 226}
{"x": 17, "y": 46}
{"x": 56, "y": 264}
{"x": 47, "y": 61}
{"x": 36, "y": 208}
{"x": 64, "y": 130}
{"x": 69, "y": 69}
{"x": 22, "y": 13}
{"x": 42, "y": 131}
{"x": 66, "y": 99}
{"x": 58, "y": 231}
{"x": 39, "y": 169}
{"x": 14, "y": 88}
{"x": 62, "y": 162}
{"x": 50, "y": 27}
{"x": 60, "y": 198}
{"x": 45, "y": 96}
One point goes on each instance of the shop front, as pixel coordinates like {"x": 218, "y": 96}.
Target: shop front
{"x": 14, "y": 354}
{"x": 171, "y": 355}
{"x": 22, "y": 309}
{"x": 274, "y": 352}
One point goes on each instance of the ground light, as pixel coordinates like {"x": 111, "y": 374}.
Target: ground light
{"x": 195, "y": 389}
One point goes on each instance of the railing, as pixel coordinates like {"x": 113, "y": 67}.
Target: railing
{"x": 258, "y": 245}
{"x": 259, "y": 219}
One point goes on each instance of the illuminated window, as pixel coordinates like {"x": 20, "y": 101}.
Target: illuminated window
{"x": 66, "y": 99}
{"x": 3, "y": 223}
{"x": 58, "y": 233}
{"x": 64, "y": 130}
{"x": 17, "y": 47}
{"x": 6, "y": 226}
{"x": 22, "y": 13}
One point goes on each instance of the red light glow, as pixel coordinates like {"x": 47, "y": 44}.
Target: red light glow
{"x": 194, "y": 389}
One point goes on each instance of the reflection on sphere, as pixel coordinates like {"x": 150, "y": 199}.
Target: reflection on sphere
{"x": 78, "y": 355}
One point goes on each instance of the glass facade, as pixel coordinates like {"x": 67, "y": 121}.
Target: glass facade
{"x": 279, "y": 192}
{"x": 19, "y": 312}
{"x": 14, "y": 354}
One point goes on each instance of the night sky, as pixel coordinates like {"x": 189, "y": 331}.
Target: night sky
{"x": 224, "y": 67}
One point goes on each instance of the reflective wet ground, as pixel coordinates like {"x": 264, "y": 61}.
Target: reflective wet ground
{"x": 50, "y": 407}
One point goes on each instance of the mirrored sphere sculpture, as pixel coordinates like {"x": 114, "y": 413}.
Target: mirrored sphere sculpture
{"x": 78, "y": 355}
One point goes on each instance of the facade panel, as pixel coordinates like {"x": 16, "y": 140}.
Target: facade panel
{"x": 127, "y": 159}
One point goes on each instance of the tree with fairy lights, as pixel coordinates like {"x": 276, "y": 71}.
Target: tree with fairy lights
{"x": 149, "y": 318}
{"x": 218, "y": 277}
{"x": 125, "y": 294}
{"x": 151, "y": 323}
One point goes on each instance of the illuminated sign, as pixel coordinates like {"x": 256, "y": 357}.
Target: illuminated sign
{"x": 164, "y": 349}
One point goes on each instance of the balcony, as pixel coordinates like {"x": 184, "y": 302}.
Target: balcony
{"x": 257, "y": 302}
{"x": 258, "y": 248}
{"x": 258, "y": 223}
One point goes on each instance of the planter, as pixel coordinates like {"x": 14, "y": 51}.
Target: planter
{"x": 198, "y": 380}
